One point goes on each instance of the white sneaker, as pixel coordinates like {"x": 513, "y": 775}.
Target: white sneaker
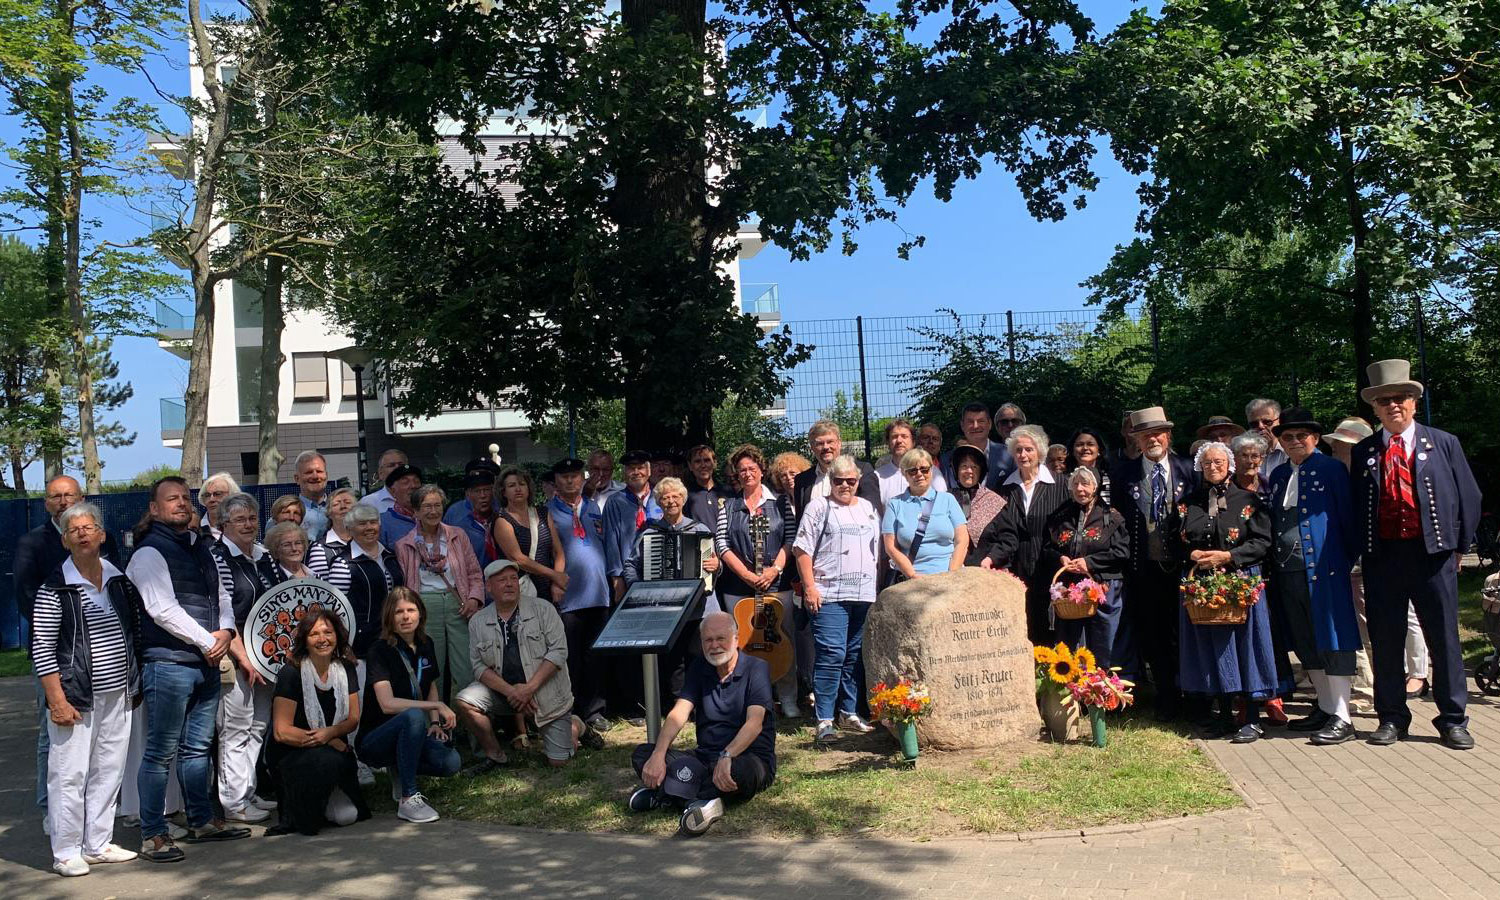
{"x": 71, "y": 868}
{"x": 698, "y": 818}
{"x": 112, "y": 853}
{"x": 264, "y": 803}
{"x": 415, "y": 809}
{"x": 247, "y": 814}
{"x": 827, "y": 734}
{"x": 852, "y": 722}
{"x": 366, "y": 776}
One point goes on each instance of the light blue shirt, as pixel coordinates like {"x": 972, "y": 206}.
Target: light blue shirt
{"x": 901, "y": 519}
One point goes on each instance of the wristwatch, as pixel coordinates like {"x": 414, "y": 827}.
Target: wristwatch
{"x": 724, "y": 754}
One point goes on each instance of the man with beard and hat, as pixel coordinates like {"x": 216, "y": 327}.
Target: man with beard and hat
{"x": 1313, "y": 547}
{"x": 729, "y": 695}
{"x": 1418, "y": 507}
{"x": 1148, "y": 491}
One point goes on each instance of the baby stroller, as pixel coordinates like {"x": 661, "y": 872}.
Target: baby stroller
{"x": 1487, "y": 673}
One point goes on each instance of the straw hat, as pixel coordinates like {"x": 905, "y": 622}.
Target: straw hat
{"x": 1152, "y": 418}
{"x": 1350, "y": 431}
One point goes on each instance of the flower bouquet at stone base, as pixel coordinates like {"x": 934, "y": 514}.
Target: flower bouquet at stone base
{"x": 1221, "y": 597}
{"x": 899, "y": 706}
{"x": 1077, "y": 600}
{"x": 1099, "y": 691}
{"x": 1055, "y": 668}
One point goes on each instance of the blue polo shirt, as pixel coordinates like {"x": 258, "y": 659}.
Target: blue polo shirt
{"x": 620, "y": 513}
{"x": 461, "y": 515}
{"x": 720, "y": 706}
{"x": 394, "y": 526}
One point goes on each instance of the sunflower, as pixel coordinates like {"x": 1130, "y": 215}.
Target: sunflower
{"x": 1085, "y": 659}
{"x": 1042, "y": 656}
{"x": 1063, "y": 668}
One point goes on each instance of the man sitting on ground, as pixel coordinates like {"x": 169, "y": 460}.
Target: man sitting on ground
{"x": 736, "y": 755}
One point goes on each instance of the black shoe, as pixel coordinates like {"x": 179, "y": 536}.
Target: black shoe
{"x": 1314, "y": 722}
{"x": 1249, "y": 733}
{"x": 1457, "y": 737}
{"x": 1387, "y": 734}
{"x": 484, "y": 767}
{"x": 598, "y": 723}
{"x": 591, "y": 738}
{"x": 1420, "y": 692}
{"x": 160, "y": 849}
{"x": 217, "y": 831}
{"x": 644, "y": 800}
{"x": 1337, "y": 731}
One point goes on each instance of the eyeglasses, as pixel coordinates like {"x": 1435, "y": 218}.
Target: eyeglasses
{"x": 1264, "y": 423}
{"x": 210, "y": 495}
{"x": 83, "y": 530}
{"x": 430, "y": 507}
{"x": 240, "y": 520}
{"x": 291, "y": 545}
{"x": 1390, "y": 400}
{"x": 847, "y": 481}
{"x": 1010, "y": 421}
{"x": 919, "y": 470}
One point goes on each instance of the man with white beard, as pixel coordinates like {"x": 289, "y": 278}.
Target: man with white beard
{"x": 736, "y": 754}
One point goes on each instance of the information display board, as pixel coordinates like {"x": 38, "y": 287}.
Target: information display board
{"x": 651, "y": 616}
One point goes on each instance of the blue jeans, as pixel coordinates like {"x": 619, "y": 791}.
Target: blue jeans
{"x": 403, "y": 742}
{"x": 838, "y": 630}
{"x": 182, "y": 702}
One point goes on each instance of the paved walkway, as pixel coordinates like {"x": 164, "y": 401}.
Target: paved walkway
{"x": 1321, "y": 823}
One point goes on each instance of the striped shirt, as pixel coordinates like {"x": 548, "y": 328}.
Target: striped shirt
{"x": 108, "y": 667}
{"x": 327, "y": 560}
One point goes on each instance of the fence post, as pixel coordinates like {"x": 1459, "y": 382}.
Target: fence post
{"x": 864, "y": 388}
{"x": 1010, "y": 340}
{"x": 1155, "y": 349}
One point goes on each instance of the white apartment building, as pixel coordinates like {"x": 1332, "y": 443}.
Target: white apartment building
{"x": 317, "y": 408}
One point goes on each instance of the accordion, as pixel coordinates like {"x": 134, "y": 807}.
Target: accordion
{"x": 674, "y": 556}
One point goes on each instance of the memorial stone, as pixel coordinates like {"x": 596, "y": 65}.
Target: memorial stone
{"x": 962, "y": 634}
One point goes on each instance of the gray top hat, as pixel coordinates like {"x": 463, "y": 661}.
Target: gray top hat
{"x": 1149, "y": 419}
{"x": 1389, "y": 376}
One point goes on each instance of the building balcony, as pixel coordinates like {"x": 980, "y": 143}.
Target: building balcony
{"x": 777, "y": 409}
{"x": 171, "y": 151}
{"x": 763, "y": 301}
{"x": 173, "y": 421}
{"x": 174, "y": 330}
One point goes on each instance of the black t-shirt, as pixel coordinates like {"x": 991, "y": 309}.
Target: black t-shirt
{"x": 720, "y": 705}
{"x": 396, "y": 664}
{"x": 511, "y": 670}
{"x": 289, "y": 685}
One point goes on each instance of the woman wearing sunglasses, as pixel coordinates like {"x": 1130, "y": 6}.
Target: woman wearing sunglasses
{"x": 924, "y": 530}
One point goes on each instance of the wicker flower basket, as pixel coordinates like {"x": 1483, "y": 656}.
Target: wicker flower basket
{"x": 1236, "y": 593}
{"x": 1068, "y": 610}
{"x": 1230, "y": 614}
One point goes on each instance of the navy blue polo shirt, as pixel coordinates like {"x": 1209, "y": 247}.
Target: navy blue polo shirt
{"x": 721, "y": 705}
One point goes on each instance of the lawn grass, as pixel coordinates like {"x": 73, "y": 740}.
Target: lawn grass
{"x": 860, "y": 786}
{"x": 14, "y": 663}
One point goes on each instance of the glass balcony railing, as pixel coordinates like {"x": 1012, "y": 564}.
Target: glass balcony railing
{"x": 173, "y": 419}
{"x": 169, "y": 319}
{"x": 761, "y": 300}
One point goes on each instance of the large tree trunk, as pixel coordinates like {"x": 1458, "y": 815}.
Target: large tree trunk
{"x": 645, "y": 201}
{"x": 273, "y": 322}
{"x": 60, "y": 82}
{"x": 1362, "y": 326}
{"x": 78, "y": 331}
{"x": 200, "y": 367}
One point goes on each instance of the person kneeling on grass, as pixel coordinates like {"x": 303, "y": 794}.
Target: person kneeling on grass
{"x": 404, "y": 727}
{"x": 519, "y": 654}
{"x": 736, "y": 755}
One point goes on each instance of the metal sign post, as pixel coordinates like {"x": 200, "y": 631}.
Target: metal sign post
{"x": 652, "y": 695}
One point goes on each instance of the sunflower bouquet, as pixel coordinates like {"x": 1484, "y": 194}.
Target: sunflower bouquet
{"x": 904, "y": 701}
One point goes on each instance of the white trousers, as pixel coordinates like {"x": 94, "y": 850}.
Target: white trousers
{"x": 130, "y": 794}
{"x": 244, "y": 714}
{"x": 84, "y": 770}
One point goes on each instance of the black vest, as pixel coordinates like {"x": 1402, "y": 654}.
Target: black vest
{"x": 195, "y": 583}
{"x": 74, "y": 664}
{"x": 246, "y": 581}
{"x": 367, "y": 592}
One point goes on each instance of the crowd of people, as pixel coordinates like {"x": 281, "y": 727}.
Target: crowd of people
{"x": 482, "y": 612}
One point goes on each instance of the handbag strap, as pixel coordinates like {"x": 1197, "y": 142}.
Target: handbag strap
{"x": 916, "y": 539}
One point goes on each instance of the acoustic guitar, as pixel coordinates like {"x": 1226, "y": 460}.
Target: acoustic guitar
{"x": 760, "y": 615}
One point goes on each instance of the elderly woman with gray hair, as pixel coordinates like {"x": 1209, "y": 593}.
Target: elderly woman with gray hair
{"x": 438, "y": 562}
{"x": 1249, "y": 451}
{"x": 836, "y": 550}
{"x": 1085, "y": 538}
{"x": 85, "y": 640}
{"x": 372, "y": 571}
{"x": 1014, "y": 539}
{"x": 328, "y": 558}
{"x": 245, "y": 705}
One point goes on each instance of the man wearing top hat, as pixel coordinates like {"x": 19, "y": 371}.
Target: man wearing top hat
{"x": 1313, "y": 547}
{"x": 1418, "y": 506}
{"x": 1148, "y": 492}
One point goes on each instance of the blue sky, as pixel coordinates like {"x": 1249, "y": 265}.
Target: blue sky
{"x": 984, "y": 254}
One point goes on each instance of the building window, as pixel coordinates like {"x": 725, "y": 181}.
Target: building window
{"x": 247, "y": 362}
{"x": 368, "y": 377}
{"x": 309, "y": 376}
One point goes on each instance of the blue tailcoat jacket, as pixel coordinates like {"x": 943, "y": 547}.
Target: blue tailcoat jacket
{"x": 1330, "y": 544}
{"x": 1446, "y": 492}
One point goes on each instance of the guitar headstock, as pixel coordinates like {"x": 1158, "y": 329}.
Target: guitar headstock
{"x": 760, "y": 527}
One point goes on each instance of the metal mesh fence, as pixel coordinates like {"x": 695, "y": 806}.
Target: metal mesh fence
{"x": 879, "y": 359}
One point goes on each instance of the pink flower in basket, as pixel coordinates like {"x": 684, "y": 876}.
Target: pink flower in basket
{"x": 1079, "y": 593}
